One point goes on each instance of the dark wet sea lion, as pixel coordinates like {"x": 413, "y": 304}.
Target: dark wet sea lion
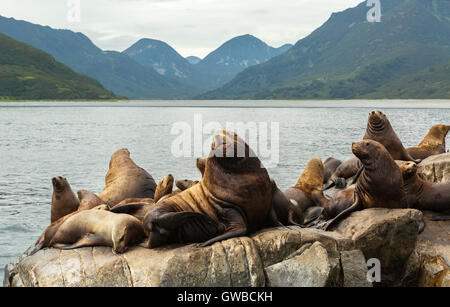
{"x": 88, "y": 200}
{"x": 64, "y": 200}
{"x": 286, "y": 212}
{"x": 340, "y": 201}
{"x": 380, "y": 184}
{"x": 432, "y": 144}
{"x": 232, "y": 199}
{"x": 97, "y": 227}
{"x": 329, "y": 167}
{"x": 423, "y": 195}
{"x": 344, "y": 171}
{"x": 379, "y": 129}
{"x": 164, "y": 187}
{"x": 185, "y": 184}
{"x": 308, "y": 190}
{"x": 126, "y": 180}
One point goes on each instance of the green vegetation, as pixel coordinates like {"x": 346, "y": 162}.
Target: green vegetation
{"x": 27, "y": 73}
{"x": 348, "y": 57}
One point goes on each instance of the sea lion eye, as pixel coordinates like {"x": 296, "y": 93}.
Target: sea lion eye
{"x": 367, "y": 144}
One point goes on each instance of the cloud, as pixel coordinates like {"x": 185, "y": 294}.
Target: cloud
{"x": 192, "y": 27}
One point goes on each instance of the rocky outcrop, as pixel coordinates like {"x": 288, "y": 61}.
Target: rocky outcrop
{"x": 435, "y": 168}
{"x": 275, "y": 257}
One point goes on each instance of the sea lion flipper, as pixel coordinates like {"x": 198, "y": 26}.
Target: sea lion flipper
{"x": 87, "y": 241}
{"x": 233, "y": 233}
{"x": 358, "y": 174}
{"x": 354, "y": 207}
{"x": 128, "y": 208}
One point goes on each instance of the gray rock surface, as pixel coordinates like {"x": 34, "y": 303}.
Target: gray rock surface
{"x": 281, "y": 256}
{"x": 435, "y": 168}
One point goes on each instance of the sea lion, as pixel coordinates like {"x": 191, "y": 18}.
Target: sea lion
{"x": 380, "y": 184}
{"x": 329, "y": 167}
{"x": 286, "y": 212}
{"x": 164, "y": 187}
{"x": 201, "y": 165}
{"x": 379, "y": 129}
{"x": 232, "y": 199}
{"x": 344, "y": 171}
{"x": 64, "y": 200}
{"x": 308, "y": 191}
{"x": 126, "y": 180}
{"x": 185, "y": 184}
{"x": 432, "y": 144}
{"x": 97, "y": 227}
{"x": 88, "y": 200}
{"x": 137, "y": 207}
{"x": 424, "y": 195}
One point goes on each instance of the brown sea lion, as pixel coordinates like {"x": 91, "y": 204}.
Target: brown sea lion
{"x": 97, "y": 227}
{"x": 185, "y": 184}
{"x": 164, "y": 187}
{"x": 126, "y": 180}
{"x": 88, "y": 200}
{"x": 344, "y": 171}
{"x": 137, "y": 207}
{"x": 379, "y": 186}
{"x": 432, "y": 144}
{"x": 201, "y": 165}
{"x": 64, "y": 200}
{"x": 379, "y": 129}
{"x": 424, "y": 195}
{"x": 329, "y": 167}
{"x": 286, "y": 212}
{"x": 232, "y": 199}
{"x": 308, "y": 191}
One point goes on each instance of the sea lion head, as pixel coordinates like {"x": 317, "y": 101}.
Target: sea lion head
{"x": 59, "y": 183}
{"x": 167, "y": 182}
{"x": 185, "y": 184}
{"x": 440, "y": 130}
{"x": 377, "y": 119}
{"x": 408, "y": 169}
{"x": 125, "y": 235}
{"x": 232, "y": 153}
{"x": 119, "y": 157}
{"x": 368, "y": 150}
{"x": 312, "y": 177}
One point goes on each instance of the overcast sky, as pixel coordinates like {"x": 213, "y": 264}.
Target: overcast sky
{"x": 192, "y": 27}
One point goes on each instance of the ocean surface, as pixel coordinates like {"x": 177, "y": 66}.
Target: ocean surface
{"x": 40, "y": 140}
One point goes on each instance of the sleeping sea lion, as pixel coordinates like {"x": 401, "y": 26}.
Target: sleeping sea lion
{"x": 432, "y": 144}
{"x": 380, "y": 184}
{"x": 126, "y": 180}
{"x": 88, "y": 200}
{"x": 98, "y": 227}
{"x": 424, "y": 195}
{"x": 64, "y": 200}
{"x": 232, "y": 199}
{"x": 329, "y": 167}
{"x": 308, "y": 191}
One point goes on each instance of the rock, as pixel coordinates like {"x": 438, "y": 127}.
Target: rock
{"x": 387, "y": 235}
{"x": 433, "y": 250}
{"x": 435, "y": 168}
{"x": 354, "y": 268}
{"x": 279, "y": 256}
{"x": 312, "y": 268}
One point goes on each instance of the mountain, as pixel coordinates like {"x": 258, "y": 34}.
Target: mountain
{"x": 162, "y": 58}
{"x": 115, "y": 71}
{"x": 27, "y": 73}
{"x": 193, "y": 60}
{"x": 235, "y": 55}
{"x": 348, "y": 57}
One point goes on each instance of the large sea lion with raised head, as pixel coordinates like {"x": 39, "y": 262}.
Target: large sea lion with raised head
{"x": 125, "y": 180}
{"x": 380, "y": 184}
{"x": 432, "y": 144}
{"x": 423, "y": 195}
{"x": 232, "y": 199}
{"x": 64, "y": 200}
{"x": 99, "y": 227}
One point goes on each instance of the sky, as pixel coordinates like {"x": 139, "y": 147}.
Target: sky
{"x": 192, "y": 27}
